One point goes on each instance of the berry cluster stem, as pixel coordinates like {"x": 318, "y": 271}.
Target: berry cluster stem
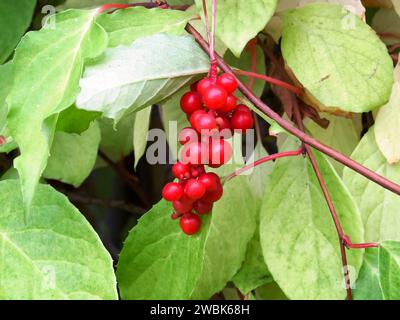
{"x": 334, "y": 154}
{"x": 272, "y": 157}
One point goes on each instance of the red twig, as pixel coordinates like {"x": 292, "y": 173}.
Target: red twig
{"x": 213, "y": 60}
{"x": 253, "y": 52}
{"x": 394, "y": 47}
{"x": 263, "y": 160}
{"x": 268, "y": 79}
{"x": 207, "y": 22}
{"x": 334, "y": 154}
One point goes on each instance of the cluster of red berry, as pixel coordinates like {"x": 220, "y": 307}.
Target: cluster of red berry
{"x": 213, "y": 113}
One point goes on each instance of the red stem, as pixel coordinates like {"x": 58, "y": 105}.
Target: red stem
{"x": 207, "y": 22}
{"x": 268, "y": 79}
{"x": 263, "y": 160}
{"x": 253, "y": 52}
{"x": 213, "y": 60}
{"x": 334, "y": 154}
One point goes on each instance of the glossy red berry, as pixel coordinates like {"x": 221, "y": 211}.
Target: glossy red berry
{"x": 194, "y": 189}
{"x": 190, "y": 223}
{"x": 203, "y": 207}
{"x": 230, "y": 104}
{"x": 210, "y": 180}
{"x": 195, "y": 116}
{"x": 214, "y": 195}
{"x": 228, "y": 82}
{"x": 183, "y": 205}
{"x": 215, "y": 97}
{"x": 195, "y": 153}
{"x": 242, "y": 120}
{"x": 193, "y": 86}
{"x": 180, "y": 170}
{"x": 242, "y": 107}
{"x": 172, "y": 191}
{"x": 191, "y": 102}
{"x": 203, "y": 85}
{"x": 188, "y": 135}
{"x": 205, "y": 123}
{"x": 220, "y": 152}
{"x": 197, "y": 171}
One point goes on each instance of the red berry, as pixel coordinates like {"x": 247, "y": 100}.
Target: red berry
{"x": 175, "y": 215}
{"x": 203, "y": 207}
{"x": 210, "y": 180}
{"x": 179, "y": 170}
{"x": 188, "y": 135}
{"x": 195, "y": 172}
{"x": 203, "y": 85}
{"x": 205, "y": 123}
{"x": 220, "y": 152}
{"x": 242, "y": 120}
{"x": 183, "y": 205}
{"x": 195, "y": 189}
{"x": 194, "y": 153}
{"x": 172, "y": 191}
{"x": 215, "y": 97}
{"x": 230, "y": 104}
{"x": 228, "y": 82}
{"x": 242, "y": 107}
{"x": 190, "y": 223}
{"x": 214, "y": 195}
{"x": 191, "y": 102}
{"x": 195, "y": 116}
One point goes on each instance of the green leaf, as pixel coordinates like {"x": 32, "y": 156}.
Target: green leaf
{"x": 341, "y": 135}
{"x": 54, "y": 253}
{"x": 159, "y": 262}
{"x": 80, "y": 4}
{"x": 244, "y": 63}
{"x": 73, "y": 120}
{"x": 6, "y": 81}
{"x": 129, "y": 78}
{"x": 140, "y": 130}
{"x": 271, "y": 291}
{"x": 368, "y": 286}
{"x": 298, "y": 237}
{"x": 379, "y": 207}
{"x": 116, "y": 141}
{"x": 126, "y": 26}
{"x": 73, "y": 156}
{"x": 254, "y": 272}
{"x": 53, "y": 59}
{"x": 239, "y": 21}
{"x": 387, "y": 124}
{"x": 337, "y": 57}
{"x": 16, "y": 17}
{"x": 389, "y": 269}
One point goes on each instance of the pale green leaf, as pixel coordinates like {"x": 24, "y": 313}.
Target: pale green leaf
{"x": 379, "y": 207}
{"x": 54, "y": 253}
{"x": 389, "y": 269}
{"x": 73, "y": 156}
{"x": 254, "y": 272}
{"x": 129, "y": 78}
{"x": 341, "y": 135}
{"x": 298, "y": 237}
{"x": 158, "y": 261}
{"x": 81, "y": 4}
{"x": 140, "y": 130}
{"x": 336, "y": 57}
{"x": 387, "y": 125}
{"x": 16, "y": 17}
{"x": 368, "y": 286}
{"x": 6, "y": 81}
{"x": 125, "y": 26}
{"x": 53, "y": 59}
{"x": 239, "y": 21}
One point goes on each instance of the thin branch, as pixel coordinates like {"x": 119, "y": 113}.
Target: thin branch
{"x": 371, "y": 175}
{"x": 271, "y": 80}
{"x": 263, "y": 160}
{"x": 122, "y": 205}
{"x": 130, "y": 179}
